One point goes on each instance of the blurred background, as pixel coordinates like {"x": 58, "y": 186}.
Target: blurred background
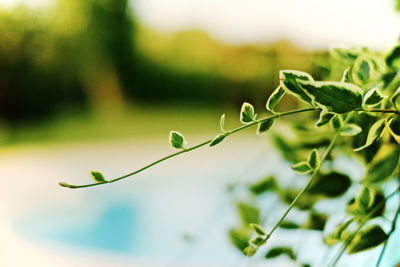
{"x": 98, "y": 84}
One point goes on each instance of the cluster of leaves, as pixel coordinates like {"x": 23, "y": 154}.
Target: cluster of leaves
{"x": 358, "y": 117}
{"x": 363, "y": 110}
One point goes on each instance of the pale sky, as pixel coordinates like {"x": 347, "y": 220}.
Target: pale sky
{"x": 309, "y": 23}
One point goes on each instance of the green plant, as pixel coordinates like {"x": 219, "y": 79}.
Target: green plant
{"x": 358, "y": 117}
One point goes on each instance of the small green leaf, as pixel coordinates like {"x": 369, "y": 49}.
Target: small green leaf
{"x": 340, "y": 230}
{"x": 256, "y": 228}
{"x": 289, "y": 225}
{"x": 265, "y": 125}
{"x": 240, "y": 237}
{"x": 313, "y": 159}
{"x": 344, "y": 54}
{"x": 373, "y": 97}
{"x": 301, "y": 167}
{"x": 289, "y": 81}
{"x": 332, "y": 184}
{"x": 393, "y": 57}
{"x": 316, "y": 221}
{"x": 362, "y": 70}
{"x": 98, "y": 177}
{"x": 336, "y": 122}
{"x": 306, "y": 202}
{"x": 333, "y": 96}
{"x": 247, "y": 113}
{"x": 375, "y": 132}
{"x": 267, "y": 184}
{"x": 396, "y": 100}
{"x": 248, "y": 213}
{"x": 177, "y": 140}
{"x": 278, "y": 251}
{"x": 222, "y": 123}
{"x": 258, "y": 241}
{"x": 324, "y": 118}
{"x": 249, "y": 251}
{"x": 365, "y": 198}
{"x": 346, "y": 75}
{"x": 383, "y": 166}
{"x": 350, "y": 129}
{"x": 218, "y": 139}
{"x": 368, "y": 238}
{"x": 274, "y": 98}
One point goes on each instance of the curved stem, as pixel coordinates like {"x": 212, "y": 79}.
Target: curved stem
{"x": 396, "y": 216}
{"x": 336, "y": 259}
{"x": 192, "y": 148}
{"x": 305, "y": 188}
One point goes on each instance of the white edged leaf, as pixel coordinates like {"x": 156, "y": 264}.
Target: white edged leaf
{"x": 368, "y": 238}
{"x": 362, "y": 70}
{"x": 265, "y": 125}
{"x": 375, "y": 132}
{"x": 274, "y": 98}
{"x": 336, "y": 122}
{"x": 324, "y": 118}
{"x": 177, "y": 140}
{"x": 218, "y": 139}
{"x": 301, "y": 167}
{"x": 313, "y": 159}
{"x": 334, "y": 97}
{"x": 97, "y": 176}
{"x": 346, "y": 75}
{"x": 222, "y": 123}
{"x": 350, "y": 129}
{"x": 258, "y": 229}
{"x": 247, "y": 113}
{"x": 289, "y": 81}
{"x": 373, "y": 97}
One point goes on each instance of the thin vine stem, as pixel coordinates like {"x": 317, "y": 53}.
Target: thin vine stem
{"x": 275, "y": 116}
{"x": 312, "y": 178}
{"x": 338, "y": 255}
{"x": 393, "y": 228}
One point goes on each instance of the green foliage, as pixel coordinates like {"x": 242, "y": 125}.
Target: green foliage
{"x": 247, "y": 113}
{"x": 264, "y": 185}
{"x": 248, "y": 213}
{"x": 373, "y": 97}
{"x": 278, "y": 251}
{"x": 177, "y": 140}
{"x": 384, "y": 165}
{"x": 265, "y": 125}
{"x": 256, "y": 228}
{"x": 332, "y": 184}
{"x": 97, "y": 177}
{"x": 359, "y": 108}
{"x": 218, "y": 139}
{"x": 324, "y": 118}
{"x": 334, "y": 96}
{"x": 375, "y": 132}
{"x": 368, "y": 238}
{"x": 274, "y": 99}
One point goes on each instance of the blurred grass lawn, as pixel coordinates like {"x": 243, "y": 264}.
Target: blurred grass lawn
{"x": 139, "y": 122}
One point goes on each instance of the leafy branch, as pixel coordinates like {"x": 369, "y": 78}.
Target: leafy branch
{"x": 363, "y": 110}
{"x": 184, "y": 150}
